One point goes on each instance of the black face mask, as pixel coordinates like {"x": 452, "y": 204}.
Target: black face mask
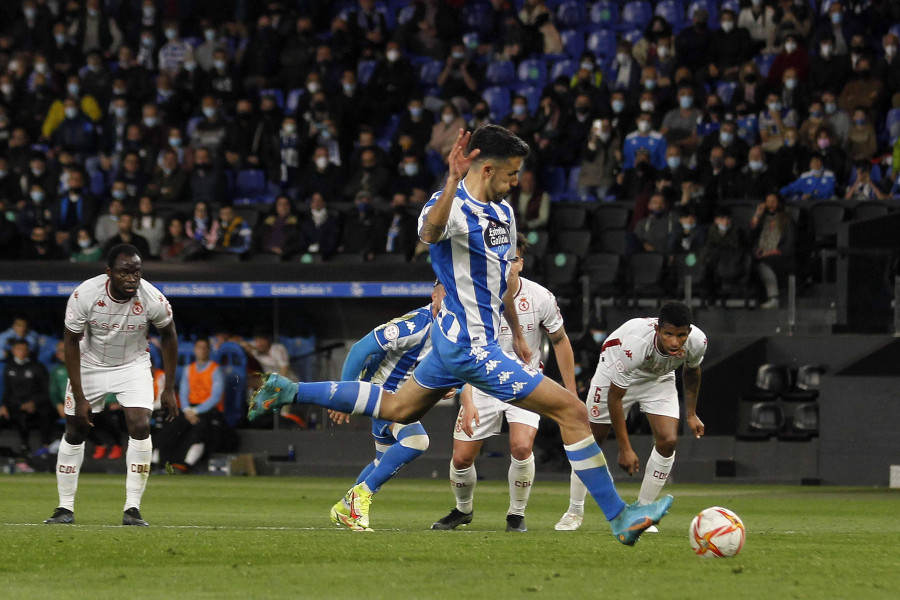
{"x": 864, "y": 74}
{"x": 244, "y": 116}
{"x": 751, "y": 79}
{"x": 481, "y": 114}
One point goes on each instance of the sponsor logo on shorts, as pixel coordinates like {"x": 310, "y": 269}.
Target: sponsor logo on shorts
{"x": 491, "y": 365}
{"x": 391, "y": 332}
{"x": 101, "y": 303}
{"x": 628, "y": 354}
{"x": 479, "y": 353}
{"x": 504, "y": 376}
{"x": 517, "y": 387}
{"x": 530, "y": 370}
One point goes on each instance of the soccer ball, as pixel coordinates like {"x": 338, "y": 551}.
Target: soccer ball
{"x": 717, "y": 532}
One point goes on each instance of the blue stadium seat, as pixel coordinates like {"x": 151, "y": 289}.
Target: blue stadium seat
{"x": 364, "y": 71}
{"x": 672, "y": 11}
{"x": 498, "y": 101}
{"x": 47, "y": 350}
{"x": 390, "y": 15}
{"x": 707, "y": 127}
{"x": 293, "y": 100}
{"x": 573, "y": 42}
{"x": 501, "y": 72}
{"x": 572, "y": 184}
{"x": 98, "y": 183}
{"x": 895, "y": 29}
{"x": 733, "y": 5}
{"x": 602, "y": 43}
{"x": 563, "y": 67}
{"x": 636, "y": 14}
{"x": 605, "y": 14}
{"x": 406, "y": 14}
{"x": 571, "y": 15}
{"x": 429, "y": 73}
{"x": 764, "y": 62}
{"x": 185, "y": 357}
{"x": 233, "y": 361}
{"x": 725, "y": 91}
{"x": 156, "y": 358}
{"x": 250, "y": 183}
{"x": 532, "y": 72}
{"x": 192, "y": 125}
{"x": 892, "y": 124}
{"x": 633, "y": 35}
{"x": 301, "y": 351}
{"x": 276, "y": 93}
{"x": 533, "y": 96}
{"x": 553, "y": 180}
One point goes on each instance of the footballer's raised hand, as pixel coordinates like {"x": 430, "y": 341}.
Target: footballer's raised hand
{"x": 457, "y": 162}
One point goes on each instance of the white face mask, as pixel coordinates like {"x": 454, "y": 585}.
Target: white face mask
{"x": 790, "y": 83}
{"x": 6, "y": 88}
{"x": 662, "y": 51}
{"x": 392, "y": 55}
{"x": 447, "y": 118}
{"x": 71, "y": 112}
{"x": 190, "y": 66}
{"x": 289, "y": 129}
{"x": 209, "y": 112}
{"x": 210, "y": 35}
{"x": 587, "y": 65}
{"x": 84, "y": 243}
{"x": 321, "y": 162}
{"x": 411, "y": 169}
{"x": 622, "y": 58}
{"x": 40, "y": 67}
{"x": 171, "y": 34}
{"x": 219, "y": 65}
{"x": 643, "y": 126}
{"x": 647, "y": 106}
{"x": 890, "y": 51}
{"x": 604, "y": 136}
{"x": 825, "y": 50}
{"x": 790, "y": 47}
{"x": 313, "y": 87}
{"x": 727, "y": 26}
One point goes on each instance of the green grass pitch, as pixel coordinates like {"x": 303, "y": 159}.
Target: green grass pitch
{"x": 221, "y": 537}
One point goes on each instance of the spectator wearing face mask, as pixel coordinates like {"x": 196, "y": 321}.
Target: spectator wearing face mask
{"x": 689, "y": 236}
{"x": 94, "y": 29}
{"x": 759, "y": 21}
{"x": 793, "y": 55}
{"x": 887, "y": 69}
{"x": 234, "y": 235}
{"x": 587, "y": 348}
{"x": 724, "y": 254}
{"x": 828, "y": 71}
{"x": 207, "y": 180}
{"x": 833, "y": 156}
{"x": 107, "y": 225}
{"x": 371, "y": 176}
{"x": 320, "y": 231}
{"x": 756, "y": 180}
{"x": 774, "y": 121}
{"x": 394, "y": 80}
{"x": 815, "y": 184}
{"x": 653, "y": 231}
{"x": 86, "y": 248}
{"x": 35, "y": 211}
{"x": 210, "y": 131}
{"x": 411, "y": 175}
{"x": 644, "y": 137}
{"x": 444, "y": 132}
{"x": 861, "y": 140}
{"x": 729, "y": 48}
{"x": 460, "y": 77}
{"x": 600, "y": 158}
{"x": 79, "y": 104}
{"x": 320, "y": 175}
{"x": 863, "y": 91}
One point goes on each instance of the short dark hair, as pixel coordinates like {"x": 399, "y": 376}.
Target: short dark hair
{"x": 120, "y": 250}
{"x": 675, "y": 314}
{"x": 498, "y": 143}
{"x": 521, "y": 242}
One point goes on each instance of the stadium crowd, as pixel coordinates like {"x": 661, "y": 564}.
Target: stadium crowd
{"x": 307, "y": 130}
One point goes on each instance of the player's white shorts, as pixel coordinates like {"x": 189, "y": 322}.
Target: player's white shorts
{"x": 490, "y": 413}
{"x": 654, "y": 396}
{"x": 131, "y": 383}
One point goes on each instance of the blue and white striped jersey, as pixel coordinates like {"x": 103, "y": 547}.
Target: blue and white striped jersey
{"x": 472, "y": 260}
{"x": 406, "y": 341}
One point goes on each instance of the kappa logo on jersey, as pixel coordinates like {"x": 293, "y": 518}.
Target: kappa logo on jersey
{"x": 496, "y": 237}
{"x": 479, "y": 353}
{"x": 391, "y": 332}
{"x": 101, "y": 303}
{"x": 75, "y": 294}
{"x": 628, "y": 353}
{"x": 504, "y": 376}
{"x": 491, "y": 365}
{"x": 523, "y": 304}
{"x": 410, "y": 325}
{"x": 332, "y": 390}
{"x": 137, "y": 308}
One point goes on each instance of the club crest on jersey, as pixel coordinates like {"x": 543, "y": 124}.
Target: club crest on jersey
{"x": 523, "y": 304}
{"x": 137, "y": 308}
{"x": 496, "y": 237}
{"x": 391, "y": 332}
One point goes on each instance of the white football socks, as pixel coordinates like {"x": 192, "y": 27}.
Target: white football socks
{"x": 655, "y": 475}
{"x": 462, "y": 482}
{"x": 577, "y": 494}
{"x": 521, "y": 478}
{"x": 137, "y": 461}
{"x": 68, "y": 466}
{"x": 194, "y": 453}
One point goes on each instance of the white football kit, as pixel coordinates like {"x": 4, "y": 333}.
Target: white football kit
{"x": 115, "y": 357}
{"x": 537, "y": 310}
{"x": 631, "y": 360}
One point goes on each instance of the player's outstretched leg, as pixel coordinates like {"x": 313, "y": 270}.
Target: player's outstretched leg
{"x": 637, "y": 518}
{"x": 354, "y": 397}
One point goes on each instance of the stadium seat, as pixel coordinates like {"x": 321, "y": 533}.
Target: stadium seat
{"x": 741, "y": 213}
{"x": 501, "y": 72}
{"x": 645, "y": 276}
{"x": 573, "y": 42}
{"x": 532, "y": 95}
{"x": 892, "y": 124}
{"x": 301, "y": 353}
{"x": 748, "y": 128}
{"x": 632, "y": 35}
{"x": 275, "y": 93}
{"x": 603, "y": 271}
{"x": 605, "y": 13}
{"x": 498, "y": 100}
{"x": 538, "y": 242}
{"x": 572, "y": 180}
{"x": 689, "y": 265}
{"x": 573, "y": 242}
{"x": 614, "y": 241}
{"x": 478, "y": 17}
{"x": 406, "y": 14}
{"x": 293, "y": 100}
{"x": 636, "y": 14}
{"x": 824, "y": 220}
{"x": 734, "y": 5}
{"x": 571, "y": 14}
{"x": 869, "y": 210}
{"x": 429, "y": 73}
{"x": 895, "y": 29}
{"x": 553, "y": 180}
{"x": 772, "y": 380}
{"x": 566, "y": 68}
{"x": 766, "y": 417}
{"x": 566, "y": 218}
{"x": 156, "y": 358}
{"x": 561, "y": 273}
{"x": 232, "y": 359}
{"x": 192, "y": 125}
{"x": 250, "y": 183}
{"x": 249, "y": 215}
{"x": 46, "y": 351}
{"x": 725, "y": 91}
{"x": 364, "y": 71}
{"x": 609, "y": 216}
{"x": 185, "y": 357}
{"x": 672, "y": 11}
{"x": 764, "y": 62}
{"x": 806, "y": 418}
{"x": 602, "y": 43}
{"x": 532, "y": 72}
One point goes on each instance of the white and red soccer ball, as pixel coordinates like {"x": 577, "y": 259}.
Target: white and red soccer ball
{"x": 717, "y": 532}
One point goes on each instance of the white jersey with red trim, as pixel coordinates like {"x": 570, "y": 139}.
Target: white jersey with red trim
{"x": 630, "y": 354}
{"x": 115, "y": 332}
{"x": 537, "y": 310}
